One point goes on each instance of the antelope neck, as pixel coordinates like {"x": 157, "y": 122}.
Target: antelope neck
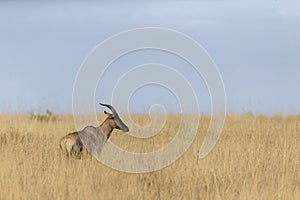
{"x": 106, "y": 129}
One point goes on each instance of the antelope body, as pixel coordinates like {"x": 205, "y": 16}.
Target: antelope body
{"x": 74, "y": 144}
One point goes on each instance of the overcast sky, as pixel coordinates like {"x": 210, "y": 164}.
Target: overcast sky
{"x": 255, "y": 44}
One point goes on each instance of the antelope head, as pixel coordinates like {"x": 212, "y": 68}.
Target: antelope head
{"x": 113, "y": 121}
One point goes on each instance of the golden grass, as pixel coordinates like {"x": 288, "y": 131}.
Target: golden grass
{"x": 255, "y": 158}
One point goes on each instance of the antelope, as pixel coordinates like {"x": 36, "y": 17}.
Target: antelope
{"x": 74, "y": 144}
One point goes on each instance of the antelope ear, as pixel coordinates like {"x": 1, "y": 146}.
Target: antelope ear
{"x": 107, "y": 113}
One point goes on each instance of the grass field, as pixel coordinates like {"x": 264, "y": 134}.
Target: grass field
{"x": 256, "y": 157}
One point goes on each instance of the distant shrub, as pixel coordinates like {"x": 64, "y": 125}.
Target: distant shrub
{"x": 43, "y": 117}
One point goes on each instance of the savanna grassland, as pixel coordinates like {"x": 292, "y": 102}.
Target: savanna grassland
{"x": 256, "y": 157}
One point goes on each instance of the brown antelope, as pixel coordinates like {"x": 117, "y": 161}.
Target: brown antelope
{"x": 74, "y": 144}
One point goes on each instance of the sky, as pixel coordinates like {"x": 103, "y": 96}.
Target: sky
{"x": 255, "y": 45}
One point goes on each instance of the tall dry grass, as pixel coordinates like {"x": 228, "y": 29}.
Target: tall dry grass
{"x": 257, "y": 157}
